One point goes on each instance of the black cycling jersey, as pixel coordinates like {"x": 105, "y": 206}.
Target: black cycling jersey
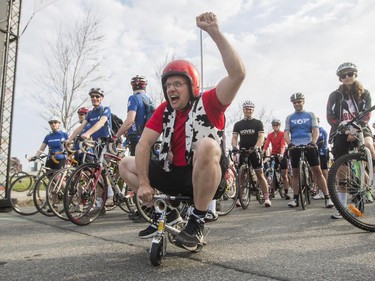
{"x": 248, "y": 130}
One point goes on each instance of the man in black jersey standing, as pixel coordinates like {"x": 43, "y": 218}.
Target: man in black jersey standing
{"x": 251, "y": 134}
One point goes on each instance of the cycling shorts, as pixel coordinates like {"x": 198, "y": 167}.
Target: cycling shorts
{"x": 312, "y": 157}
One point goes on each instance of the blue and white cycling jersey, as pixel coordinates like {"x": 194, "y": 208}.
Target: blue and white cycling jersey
{"x": 54, "y": 142}
{"x": 93, "y": 116}
{"x": 323, "y": 142}
{"x": 300, "y": 125}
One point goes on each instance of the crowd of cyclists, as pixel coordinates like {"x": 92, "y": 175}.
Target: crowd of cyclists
{"x": 190, "y": 124}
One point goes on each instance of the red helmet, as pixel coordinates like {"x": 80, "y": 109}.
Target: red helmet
{"x": 83, "y": 110}
{"x": 138, "y": 83}
{"x": 186, "y": 69}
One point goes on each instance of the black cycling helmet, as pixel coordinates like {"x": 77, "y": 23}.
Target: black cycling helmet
{"x": 138, "y": 83}
{"x": 297, "y": 96}
{"x": 96, "y": 91}
{"x": 346, "y": 67}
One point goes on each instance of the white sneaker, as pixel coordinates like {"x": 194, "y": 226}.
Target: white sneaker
{"x": 318, "y": 196}
{"x": 293, "y": 204}
{"x": 267, "y": 203}
{"x": 329, "y": 203}
{"x": 336, "y": 216}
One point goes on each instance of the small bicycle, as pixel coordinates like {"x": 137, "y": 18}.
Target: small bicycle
{"x": 165, "y": 232}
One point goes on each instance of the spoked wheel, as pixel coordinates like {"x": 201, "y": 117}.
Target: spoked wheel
{"x": 84, "y": 195}
{"x": 55, "y": 192}
{"x": 259, "y": 194}
{"x": 21, "y": 195}
{"x": 243, "y": 184}
{"x": 127, "y": 204}
{"x": 226, "y": 203}
{"x": 40, "y": 194}
{"x": 351, "y": 190}
{"x": 156, "y": 252}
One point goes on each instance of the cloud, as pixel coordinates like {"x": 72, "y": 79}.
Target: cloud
{"x": 287, "y": 46}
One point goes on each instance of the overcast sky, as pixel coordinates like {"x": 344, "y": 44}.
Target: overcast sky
{"x": 287, "y": 46}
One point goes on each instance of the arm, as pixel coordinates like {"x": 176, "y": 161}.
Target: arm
{"x": 267, "y": 143}
{"x": 77, "y": 131}
{"x": 41, "y": 150}
{"x": 228, "y": 87}
{"x": 287, "y": 137}
{"x": 331, "y": 106}
{"x": 260, "y": 140}
{"x": 94, "y": 128}
{"x": 130, "y": 118}
{"x": 315, "y": 134}
{"x": 142, "y": 160}
{"x": 234, "y": 140}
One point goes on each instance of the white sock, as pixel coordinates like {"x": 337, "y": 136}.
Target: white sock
{"x": 99, "y": 202}
{"x": 343, "y": 198}
{"x": 109, "y": 191}
{"x": 212, "y": 206}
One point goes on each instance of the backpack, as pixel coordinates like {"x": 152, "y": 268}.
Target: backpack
{"x": 116, "y": 123}
{"x": 150, "y": 107}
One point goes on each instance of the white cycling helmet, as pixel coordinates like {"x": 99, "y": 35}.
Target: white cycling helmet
{"x": 346, "y": 67}
{"x": 248, "y": 103}
{"x": 54, "y": 118}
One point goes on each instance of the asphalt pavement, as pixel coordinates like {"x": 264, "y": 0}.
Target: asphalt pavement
{"x": 277, "y": 243}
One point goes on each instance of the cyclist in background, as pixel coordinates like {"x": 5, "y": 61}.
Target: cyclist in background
{"x": 251, "y": 133}
{"x": 358, "y": 100}
{"x": 301, "y": 128}
{"x": 323, "y": 157}
{"x": 192, "y": 159}
{"x": 137, "y": 113}
{"x": 82, "y": 112}
{"x": 99, "y": 121}
{"x": 277, "y": 141}
{"x": 54, "y": 140}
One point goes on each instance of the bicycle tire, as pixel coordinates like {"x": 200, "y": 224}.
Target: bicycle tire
{"x": 156, "y": 252}
{"x": 128, "y": 204}
{"x": 55, "y": 191}
{"x": 83, "y": 191}
{"x": 358, "y": 208}
{"x": 226, "y": 203}
{"x": 302, "y": 185}
{"x": 20, "y": 195}
{"x": 40, "y": 194}
{"x": 310, "y": 184}
{"x": 244, "y": 194}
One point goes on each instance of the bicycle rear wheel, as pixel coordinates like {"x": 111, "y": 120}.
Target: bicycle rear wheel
{"x": 85, "y": 194}
{"x": 55, "y": 192}
{"x": 244, "y": 187}
{"x": 226, "y": 203}
{"x": 351, "y": 189}
{"x": 302, "y": 185}
{"x": 40, "y": 194}
{"x": 21, "y": 195}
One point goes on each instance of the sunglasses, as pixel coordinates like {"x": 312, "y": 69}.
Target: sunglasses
{"x": 297, "y": 102}
{"x": 274, "y": 125}
{"x": 344, "y": 75}
{"x": 53, "y": 122}
{"x": 81, "y": 114}
{"x": 95, "y": 96}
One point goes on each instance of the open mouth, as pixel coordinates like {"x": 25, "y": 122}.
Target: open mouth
{"x": 174, "y": 98}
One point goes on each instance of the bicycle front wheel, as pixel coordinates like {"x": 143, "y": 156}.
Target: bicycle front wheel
{"x": 85, "y": 194}
{"x": 303, "y": 185}
{"x": 20, "y": 195}
{"x": 226, "y": 203}
{"x": 243, "y": 184}
{"x": 351, "y": 190}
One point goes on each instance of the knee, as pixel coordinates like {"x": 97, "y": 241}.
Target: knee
{"x": 125, "y": 165}
{"x": 207, "y": 148}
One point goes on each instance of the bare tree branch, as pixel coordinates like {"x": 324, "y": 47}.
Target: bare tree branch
{"x": 71, "y": 66}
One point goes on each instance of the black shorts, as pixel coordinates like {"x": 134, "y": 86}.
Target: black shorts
{"x": 179, "y": 180}
{"x": 283, "y": 163}
{"x": 323, "y": 162}
{"x": 55, "y": 166}
{"x": 255, "y": 159}
{"x": 312, "y": 157}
